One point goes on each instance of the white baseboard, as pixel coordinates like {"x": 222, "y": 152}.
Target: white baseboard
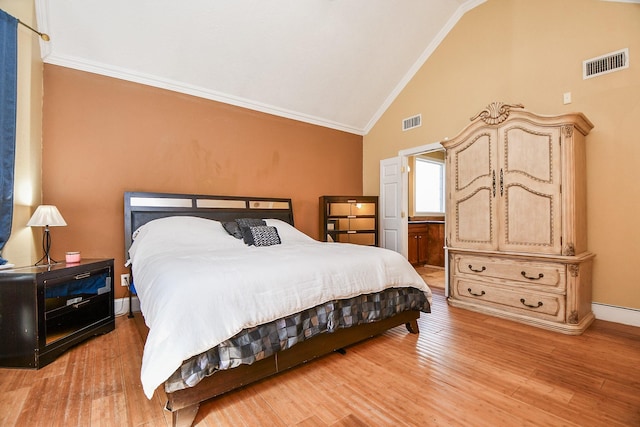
{"x": 612, "y": 313}
{"x": 121, "y": 305}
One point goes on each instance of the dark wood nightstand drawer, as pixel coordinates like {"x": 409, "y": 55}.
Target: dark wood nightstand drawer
{"x": 47, "y": 309}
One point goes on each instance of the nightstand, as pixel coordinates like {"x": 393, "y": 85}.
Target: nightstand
{"x": 44, "y": 310}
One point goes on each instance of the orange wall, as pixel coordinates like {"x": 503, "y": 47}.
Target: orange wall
{"x": 104, "y": 136}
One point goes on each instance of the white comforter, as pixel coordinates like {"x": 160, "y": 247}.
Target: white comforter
{"x": 199, "y": 286}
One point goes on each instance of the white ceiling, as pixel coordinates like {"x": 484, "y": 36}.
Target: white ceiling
{"x": 335, "y": 63}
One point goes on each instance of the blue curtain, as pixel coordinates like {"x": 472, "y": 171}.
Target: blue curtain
{"x": 8, "y": 94}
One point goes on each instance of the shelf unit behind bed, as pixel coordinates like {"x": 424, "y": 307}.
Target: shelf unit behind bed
{"x": 142, "y": 207}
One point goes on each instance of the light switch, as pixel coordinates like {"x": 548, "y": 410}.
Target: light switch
{"x": 566, "y": 98}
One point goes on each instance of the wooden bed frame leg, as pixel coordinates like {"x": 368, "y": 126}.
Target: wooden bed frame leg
{"x": 412, "y": 326}
{"x": 184, "y": 417}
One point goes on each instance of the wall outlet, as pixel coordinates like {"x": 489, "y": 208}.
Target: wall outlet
{"x": 125, "y": 280}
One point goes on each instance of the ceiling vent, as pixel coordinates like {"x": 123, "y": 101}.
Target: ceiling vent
{"x": 604, "y": 64}
{"x": 412, "y": 122}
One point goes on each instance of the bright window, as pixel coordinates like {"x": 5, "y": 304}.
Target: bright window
{"x": 429, "y": 186}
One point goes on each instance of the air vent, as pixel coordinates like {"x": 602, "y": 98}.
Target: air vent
{"x": 412, "y": 122}
{"x": 604, "y": 64}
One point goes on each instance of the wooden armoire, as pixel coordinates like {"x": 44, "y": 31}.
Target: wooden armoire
{"x": 516, "y": 218}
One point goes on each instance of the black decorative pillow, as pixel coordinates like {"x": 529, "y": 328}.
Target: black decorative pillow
{"x": 249, "y": 222}
{"x": 261, "y": 235}
{"x": 232, "y": 228}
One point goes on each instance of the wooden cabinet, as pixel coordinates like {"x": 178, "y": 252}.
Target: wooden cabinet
{"x": 516, "y": 209}
{"x": 44, "y": 310}
{"x": 349, "y": 219}
{"x": 418, "y": 243}
{"x": 426, "y": 243}
{"x": 435, "y": 243}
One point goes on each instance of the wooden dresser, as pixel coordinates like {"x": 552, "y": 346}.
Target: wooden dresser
{"x": 516, "y": 218}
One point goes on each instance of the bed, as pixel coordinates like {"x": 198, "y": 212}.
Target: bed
{"x": 232, "y": 293}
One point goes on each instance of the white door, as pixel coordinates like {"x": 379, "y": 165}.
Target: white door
{"x": 392, "y": 233}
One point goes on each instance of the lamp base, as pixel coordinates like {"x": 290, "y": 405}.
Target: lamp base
{"x": 44, "y": 261}
{"x": 46, "y": 247}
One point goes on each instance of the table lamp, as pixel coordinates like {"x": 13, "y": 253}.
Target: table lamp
{"x": 46, "y": 216}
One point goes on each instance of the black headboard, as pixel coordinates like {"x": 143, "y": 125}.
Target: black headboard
{"x": 141, "y": 207}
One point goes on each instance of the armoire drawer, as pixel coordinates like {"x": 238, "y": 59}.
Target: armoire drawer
{"x": 540, "y": 275}
{"x": 541, "y": 305}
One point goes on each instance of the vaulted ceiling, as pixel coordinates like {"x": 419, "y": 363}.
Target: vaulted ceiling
{"x": 335, "y": 63}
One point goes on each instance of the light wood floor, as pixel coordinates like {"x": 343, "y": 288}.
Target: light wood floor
{"x": 464, "y": 369}
{"x": 433, "y": 276}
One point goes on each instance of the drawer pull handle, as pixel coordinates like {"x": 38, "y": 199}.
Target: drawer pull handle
{"x": 82, "y": 276}
{"x": 530, "y": 306}
{"x": 81, "y": 303}
{"x": 478, "y": 271}
{"x": 524, "y": 274}
{"x": 476, "y": 295}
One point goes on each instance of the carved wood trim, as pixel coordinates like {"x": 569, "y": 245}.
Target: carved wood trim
{"x": 574, "y": 270}
{"x": 573, "y": 318}
{"x": 569, "y": 250}
{"x": 496, "y": 112}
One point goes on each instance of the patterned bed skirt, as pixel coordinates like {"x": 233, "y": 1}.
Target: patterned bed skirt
{"x": 260, "y": 342}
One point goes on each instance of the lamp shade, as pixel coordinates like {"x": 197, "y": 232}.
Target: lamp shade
{"x": 46, "y": 215}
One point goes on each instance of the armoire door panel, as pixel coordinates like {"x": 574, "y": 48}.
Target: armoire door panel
{"x": 474, "y": 162}
{"x": 472, "y": 195}
{"x": 529, "y": 182}
{"x": 529, "y": 153}
{"x": 528, "y": 220}
{"x": 474, "y": 228}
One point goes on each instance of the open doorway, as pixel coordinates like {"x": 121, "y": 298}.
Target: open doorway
{"x": 425, "y": 214}
{"x": 394, "y": 206}
{"x": 426, "y": 206}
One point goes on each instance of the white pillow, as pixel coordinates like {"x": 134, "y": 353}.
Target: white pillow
{"x": 167, "y": 234}
{"x": 288, "y": 233}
